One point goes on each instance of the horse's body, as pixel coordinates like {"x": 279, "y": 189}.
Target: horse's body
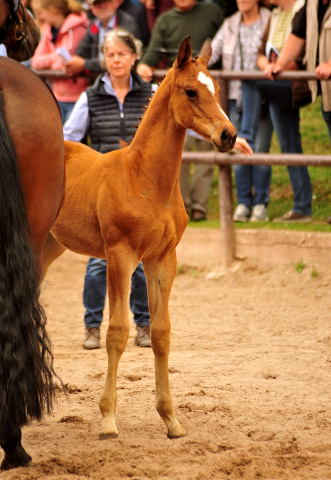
{"x": 31, "y": 189}
{"x": 126, "y": 206}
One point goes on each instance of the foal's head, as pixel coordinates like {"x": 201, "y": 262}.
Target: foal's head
{"x": 197, "y": 105}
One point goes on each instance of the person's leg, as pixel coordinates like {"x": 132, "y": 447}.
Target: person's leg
{"x": 287, "y": 126}
{"x": 243, "y": 175}
{"x": 327, "y": 119}
{"x": 184, "y": 177}
{"x": 94, "y": 296}
{"x": 262, "y": 173}
{"x": 251, "y": 111}
{"x": 139, "y": 307}
{"x": 201, "y": 183}
{"x": 66, "y": 109}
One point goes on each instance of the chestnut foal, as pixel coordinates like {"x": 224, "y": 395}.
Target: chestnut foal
{"x": 126, "y": 206}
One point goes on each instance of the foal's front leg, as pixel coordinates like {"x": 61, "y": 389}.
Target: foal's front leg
{"x": 160, "y": 276}
{"x": 119, "y": 282}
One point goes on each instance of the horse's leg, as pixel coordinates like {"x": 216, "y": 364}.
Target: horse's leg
{"x": 15, "y": 455}
{"x": 119, "y": 271}
{"x": 51, "y": 251}
{"x": 160, "y": 276}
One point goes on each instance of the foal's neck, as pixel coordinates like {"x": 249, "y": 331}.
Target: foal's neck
{"x": 159, "y": 140}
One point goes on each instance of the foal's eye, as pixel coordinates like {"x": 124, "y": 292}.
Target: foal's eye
{"x": 191, "y": 93}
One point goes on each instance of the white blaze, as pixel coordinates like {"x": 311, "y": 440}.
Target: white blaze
{"x": 202, "y": 77}
{"x": 222, "y": 111}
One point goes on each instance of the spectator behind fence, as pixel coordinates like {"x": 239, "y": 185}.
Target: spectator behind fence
{"x": 285, "y": 98}
{"x": 311, "y": 30}
{"x": 64, "y": 26}
{"x": 107, "y": 17}
{"x": 154, "y": 8}
{"x": 236, "y": 43}
{"x": 199, "y": 21}
{"x": 138, "y": 11}
{"x": 109, "y": 111}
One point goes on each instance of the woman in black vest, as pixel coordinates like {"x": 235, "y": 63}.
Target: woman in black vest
{"x": 108, "y": 111}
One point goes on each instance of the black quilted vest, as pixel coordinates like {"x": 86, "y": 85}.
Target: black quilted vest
{"x": 107, "y": 123}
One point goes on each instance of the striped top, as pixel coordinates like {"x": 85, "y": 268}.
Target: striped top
{"x": 284, "y": 19}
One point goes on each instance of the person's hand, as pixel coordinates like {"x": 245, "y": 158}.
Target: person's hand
{"x": 145, "y": 72}
{"x": 271, "y": 70}
{"x": 75, "y": 66}
{"x": 323, "y": 71}
{"x": 243, "y": 147}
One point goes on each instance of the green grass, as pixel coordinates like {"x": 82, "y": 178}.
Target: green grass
{"x": 315, "y": 141}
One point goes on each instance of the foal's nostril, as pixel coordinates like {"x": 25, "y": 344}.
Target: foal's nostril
{"x": 226, "y": 137}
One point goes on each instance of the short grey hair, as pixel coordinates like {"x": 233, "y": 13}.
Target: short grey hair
{"x": 119, "y": 34}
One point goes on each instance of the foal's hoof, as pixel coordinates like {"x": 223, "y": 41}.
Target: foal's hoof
{"x": 17, "y": 458}
{"x": 177, "y": 432}
{"x": 107, "y": 436}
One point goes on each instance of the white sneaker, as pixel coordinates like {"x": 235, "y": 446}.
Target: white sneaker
{"x": 242, "y": 213}
{"x": 259, "y": 214}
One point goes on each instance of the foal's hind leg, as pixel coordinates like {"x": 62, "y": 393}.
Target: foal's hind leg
{"x": 160, "y": 276}
{"x": 119, "y": 271}
{"x": 15, "y": 455}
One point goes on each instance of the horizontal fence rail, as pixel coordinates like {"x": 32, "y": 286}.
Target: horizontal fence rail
{"x": 288, "y": 159}
{"x": 217, "y": 74}
{"x": 226, "y": 160}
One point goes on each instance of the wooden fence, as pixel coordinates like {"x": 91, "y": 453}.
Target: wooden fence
{"x": 226, "y": 160}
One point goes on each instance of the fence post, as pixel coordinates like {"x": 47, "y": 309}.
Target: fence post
{"x": 225, "y": 196}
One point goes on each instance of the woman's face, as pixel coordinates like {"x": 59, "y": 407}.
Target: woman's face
{"x": 119, "y": 59}
{"x": 246, "y": 6}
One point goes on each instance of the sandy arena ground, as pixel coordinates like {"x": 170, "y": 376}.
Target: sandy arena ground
{"x": 250, "y": 373}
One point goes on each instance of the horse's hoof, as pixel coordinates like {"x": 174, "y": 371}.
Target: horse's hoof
{"x": 20, "y": 459}
{"x": 107, "y": 436}
{"x": 177, "y": 433}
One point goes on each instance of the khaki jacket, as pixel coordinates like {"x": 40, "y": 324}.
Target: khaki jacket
{"x": 324, "y": 44}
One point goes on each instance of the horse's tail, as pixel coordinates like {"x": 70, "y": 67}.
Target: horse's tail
{"x": 26, "y": 360}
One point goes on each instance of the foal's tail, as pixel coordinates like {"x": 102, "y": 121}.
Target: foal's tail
{"x": 26, "y": 361}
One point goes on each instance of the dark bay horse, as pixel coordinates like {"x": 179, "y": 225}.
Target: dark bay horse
{"x": 31, "y": 189}
{"x": 126, "y": 206}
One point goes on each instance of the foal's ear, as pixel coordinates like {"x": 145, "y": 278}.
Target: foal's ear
{"x": 184, "y": 53}
{"x": 205, "y": 52}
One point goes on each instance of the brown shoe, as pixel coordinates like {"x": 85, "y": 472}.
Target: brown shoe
{"x": 143, "y": 338}
{"x": 198, "y": 216}
{"x": 92, "y": 338}
{"x": 293, "y": 217}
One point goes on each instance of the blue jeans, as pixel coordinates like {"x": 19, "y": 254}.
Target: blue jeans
{"x": 253, "y": 181}
{"x": 327, "y": 119}
{"x": 286, "y": 122}
{"x": 95, "y": 288}
{"x": 66, "y": 109}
